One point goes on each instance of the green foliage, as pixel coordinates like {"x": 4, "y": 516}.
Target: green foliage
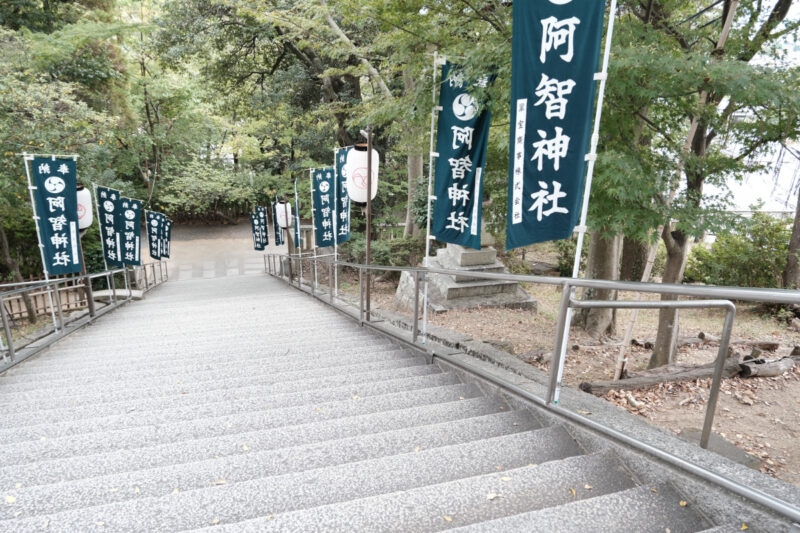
{"x": 566, "y": 255}
{"x": 406, "y": 251}
{"x": 753, "y": 256}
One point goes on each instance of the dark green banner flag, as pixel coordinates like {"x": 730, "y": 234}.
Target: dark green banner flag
{"x": 131, "y": 226}
{"x": 275, "y": 226}
{"x": 167, "y": 237}
{"x": 324, "y": 196}
{"x": 255, "y": 226}
{"x": 108, "y": 217}
{"x": 342, "y": 218}
{"x": 56, "y": 193}
{"x": 554, "y": 56}
{"x": 155, "y": 229}
{"x": 261, "y": 211}
{"x": 461, "y": 139}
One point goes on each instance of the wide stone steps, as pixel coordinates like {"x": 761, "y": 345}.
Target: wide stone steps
{"x": 641, "y": 509}
{"x": 492, "y": 494}
{"x": 241, "y": 405}
{"x": 230, "y": 401}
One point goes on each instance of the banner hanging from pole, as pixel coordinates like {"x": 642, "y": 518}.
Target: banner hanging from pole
{"x": 131, "y": 224}
{"x": 155, "y": 228}
{"x": 167, "y": 237}
{"x": 257, "y": 230}
{"x": 324, "y": 196}
{"x": 261, "y": 211}
{"x": 56, "y": 193}
{"x": 554, "y": 56}
{"x": 461, "y": 141}
{"x": 108, "y": 208}
{"x": 342, "y": 223}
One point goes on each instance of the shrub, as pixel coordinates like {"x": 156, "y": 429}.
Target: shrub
{"x": 754, "y": 255}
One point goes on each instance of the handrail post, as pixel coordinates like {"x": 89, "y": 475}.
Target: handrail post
{"x": 555, "y": 361}
{"x": 360, "y": 296}
{"x": 144, "y": 273}
{"x": 415, "y": 327}
{"x": 111, "y": 286}
{"x": 314, "y": 281}
{"x": 58, "y": 304}
{"x": 330, "y": 282}
{"x": 7, "y": 330}
{"x": 713, "y": 393}
{"x": 127, "y": 281}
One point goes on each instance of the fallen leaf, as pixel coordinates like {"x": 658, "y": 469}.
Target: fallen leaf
{"x": 416, "y": 449}
{"x": 356, "y": 397}
{"x": 18, "y": 486}
{"x": 220, "y": 481}
{"x": 270, "y": 517}
{"x": 744, "y": 526}
{"x": 654, "y": 491}
{"x": 46, "y": 524}
{"x": 587, "y": 487}
{"x": 137, "y": 490}
{"x": 682, "y": 503}
{"x": 448, "y": 518}
{"x": 10, "y": 499}
{"x": 245, "y": 448}
{"x": 113, "y": 489}
{"x": 582, "y": 412}
{"x": 100, "y": 523}
{"x": 492, "y": 496}
{"x": 215, "y": 522}
{"x": 573, "y": 492}
{"x": 505, "y": 478}
{"x": 175, "y": 490}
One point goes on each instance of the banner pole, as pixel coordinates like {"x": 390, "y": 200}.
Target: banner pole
{"x": 313, "y": 222}
{"x": 26, "y": 158}
{"x": 336, "y": 200}
{"x": 430, "y": 198}
{"x": 591, "y": 157}
{"x": 297, "y": 233}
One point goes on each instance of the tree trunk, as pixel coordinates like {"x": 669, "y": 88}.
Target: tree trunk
{"x": 791, "y": 275}
{"x": 602, "y": 263}
{"x": 414, "y": 177}
{"x": 668, "y": 327}
{"x": 634, "y": 259}
{"x": 16, "y": 275}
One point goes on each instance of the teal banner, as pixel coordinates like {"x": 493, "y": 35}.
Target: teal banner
{"x": 263, "y": 222}
{"x": 131, "y": 226}
{"x": 255, "y": 226}
{"x": 155, "y": 233}
{"x": 167, "y": 237}
{"x": 276, "y": 227}
{"x": 324, "y": 196}
{"x": 461, "y": 140}
{"x": 108, "y": 217}
{"x": 56, "y": 195}
{"x": 342, "y": 204}
{"x": 554, "y": 55}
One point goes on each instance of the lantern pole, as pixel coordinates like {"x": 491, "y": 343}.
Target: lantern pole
{"x": 369, "y": 217}
{"x": 313, "y": 223}
{"x": 29, "y": 158}
{"x": 87, "y": 286}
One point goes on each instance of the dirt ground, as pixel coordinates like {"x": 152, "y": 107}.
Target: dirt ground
{"x": 759, "y": 415}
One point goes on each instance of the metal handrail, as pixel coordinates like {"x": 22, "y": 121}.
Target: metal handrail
{"x": 8, "y": 353}
{"x": 722, "y": 295}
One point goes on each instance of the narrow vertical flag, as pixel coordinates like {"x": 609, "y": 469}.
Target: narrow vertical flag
{"x": 56, "y": 195}
{"x": 342, "y": 201}
{"x": 108, "y": 207}
{"x": 131, "y": 227}
{"x": 255, "y": 225}
{"x": 167, "y": 228}
{"x": 261, "y": 211}
{"x": 155, "y": 225}
{"x": 461, "y": 141}
{"x": 554, "y": 55}
{"x": 297, "y": 238}
{"x": 324, "y": 196}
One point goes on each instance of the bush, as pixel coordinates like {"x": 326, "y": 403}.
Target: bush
{"x": 753, "y": 256}
{"x": 566, "y": 255}
{"x": 405, "y": 251}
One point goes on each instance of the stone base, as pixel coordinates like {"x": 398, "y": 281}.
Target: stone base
{"x": 462, "y": 291}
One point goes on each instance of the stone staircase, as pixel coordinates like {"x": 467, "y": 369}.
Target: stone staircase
{"x": 239, "y": 404}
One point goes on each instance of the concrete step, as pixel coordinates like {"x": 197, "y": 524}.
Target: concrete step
{"x": 229, "y": 502}
{"x": 310, "y": 396}
{"x": 254, "y": 463}
{"x": 198, "y": 372}
{"x": 444, "y": 420}
{"x": 224, "y": 400}
{"x": 470, "y": 289}
{"x": 450, "y": 504}
{"x": 639, "y": 509}
{"x": 49, "y": 447}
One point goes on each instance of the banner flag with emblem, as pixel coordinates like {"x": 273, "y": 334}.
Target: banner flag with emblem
{"x": 342, "y": 202}
{"x": 108, "y": 218}
{"x": 131, "y": 227}
{"x": 324, "y": 196}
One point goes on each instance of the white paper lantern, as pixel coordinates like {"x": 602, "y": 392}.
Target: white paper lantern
{"x": 283, "y": 213}
{"x": 85, "y": 212}
{"x": 355, "y": 172}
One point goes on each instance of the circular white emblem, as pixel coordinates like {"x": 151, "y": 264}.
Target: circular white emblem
{"x": 154, "y": 222}
{"x": 108, "y": 205}
{"x": 324, "y": 187}
{"x": 54, "y": 184}
{"x": 465, "y": 107}
{"x": 130, "y": 214}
